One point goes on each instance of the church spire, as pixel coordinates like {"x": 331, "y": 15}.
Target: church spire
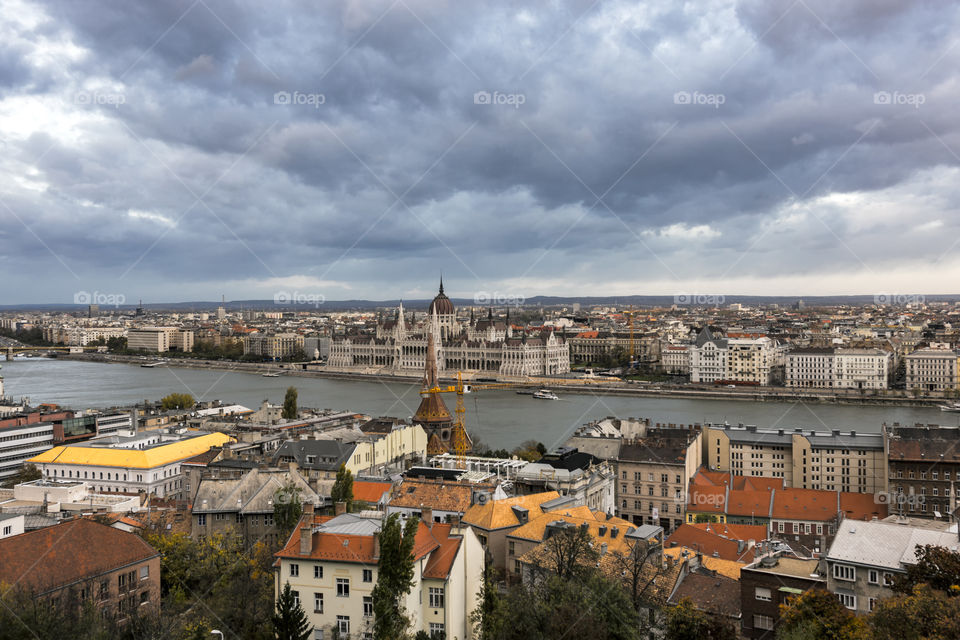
{"x": 441, "y": 284}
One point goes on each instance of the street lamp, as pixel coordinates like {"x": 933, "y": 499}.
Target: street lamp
{"x": 217, "y": 632}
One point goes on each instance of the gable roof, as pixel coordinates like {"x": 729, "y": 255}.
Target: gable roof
{"x": 156, "y": 456}
{"x": 369, "y": 491}
{"x": 66, "y": 553}
{"x": 253, "y": 492}
{"x": 327, "y": 455}
{"x": 499, "y": 514}
{"x": 715, "y": 594}
{"x": 446, "y": 496}
{"x": 711, "y": 544}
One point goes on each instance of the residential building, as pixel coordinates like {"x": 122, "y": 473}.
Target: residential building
{"x": 280, "y": 345}
{"x": 924, "y": 470}
{"x": 589, "y": 480}
{"x": 595, "y": 346}
{"x": 931, "y": 369}
{"x": 732, "y": 542}
{"x": 154, "y": 339}
{"x": 866, "y": 557}
{"x": 148, "y": 463}
{"x": 750, "y": 359}
{"x": 652, "y": 475}
{"x": 769, "y": 583}
{"x": 433, "y": 500}
{"x": 118, "y": 572}
{"x": 831, "y": 460}
{"x": 11, "y": 524}
{"x": 19, "y": 443}
{"x": 331, "y": 566}
{"x": 243, "y": 503}
{"x": 713, "y": 594}
{"x": 675, "y": 359}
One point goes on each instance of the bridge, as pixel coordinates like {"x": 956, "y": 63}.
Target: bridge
{"x": 11, "y": 351}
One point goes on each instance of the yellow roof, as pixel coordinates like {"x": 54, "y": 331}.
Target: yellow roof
{"x": 727, "y": 568}
{"x": 498, "y": 514}
{"x": 535, "y": 529}
{"x": 132, "y": 458}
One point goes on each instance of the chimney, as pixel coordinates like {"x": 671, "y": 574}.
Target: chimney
{"x": 306, "y": 540}
{"x": 308, "y": 509}
{"x": 603, "y": 549}
{"x": 426, "y": 514}
{"x": 455, "y": 523}
{"x": 339, "y": 508}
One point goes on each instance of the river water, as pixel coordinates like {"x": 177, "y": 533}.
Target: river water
{"x": 500, "y": 418}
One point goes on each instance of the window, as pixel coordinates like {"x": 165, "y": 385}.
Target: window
{"x": 343, "y": 587}
{"x": 317, "y": 602}
{"x": 343, "y": 625}
{"x": 437, "y": 630}
{"x": 436, "y": 597}
{"x": 317, "y": 571}
{"x": 511, "y": 546}
{"x": 887, "y": 579}
{"x": 144, "y": 572}
{"x": 819, "y": 529}
{"x": 848, "y": 600}
{"x": 367, "y": 606}
{"x": 294, "y": 570}
{"x": 763, "y": 593}
{"x": 873, "y": 577}
{"x": 872, "y": 604}
{"x": 104, "y": 589}
{"x": 122, "y": 581}
{"x": 762, "y": 622}
{"x": 296, "y": 598}
{"x": 7, "y": 530}
{"x": 368, "y": 575}
{"x": 144, "y": 597}
{"x": 796, "y": 527}
{"x": 202, "y": 519}
{"x": 268, "y": 519}
{"x": 779, "y": 527}
{"x": 845, "y": 572}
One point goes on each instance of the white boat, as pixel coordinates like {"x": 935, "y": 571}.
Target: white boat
{"x": 545, "y": 394}
{"x": 953, "y": 407}
{"x": 150, "y": 365}
{"x": 273, "y": 374}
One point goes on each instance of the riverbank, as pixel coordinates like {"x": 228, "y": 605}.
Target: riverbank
{"x": 600, "y": 388}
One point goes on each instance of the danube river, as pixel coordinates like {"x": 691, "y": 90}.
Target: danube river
{"x": 498, "y": 418}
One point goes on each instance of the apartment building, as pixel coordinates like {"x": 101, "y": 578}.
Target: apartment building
{"x": 80, "y": 336}
{"x": 924, "y": 470}
{"x": 652, "y": 475}
{"x": 770, "y": 583}
{"x": 831, "y": 460}
{"x": 19, "y": 443}
{"x": 675, "y": 358}
{"x": 159, "y": 339}
{"x": 331, "y": 566}
{"x": 594, "y": 346}
{"x": 830, "y": 368}
{"x": 117, "y": 572}
{"x": 280, "y": 345}
{"x": 931, "y": 369}
{"x": 745, "y": 358}
{"x": 866, "y": 557}
{"x": 148, "y": 463}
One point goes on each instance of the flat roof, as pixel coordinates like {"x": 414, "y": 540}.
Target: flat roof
{"x": 787, "y": 566}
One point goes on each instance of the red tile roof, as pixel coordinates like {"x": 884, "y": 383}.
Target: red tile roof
{"x": 369, "y": 491}
{"x": 55, "y": 556}
{"x": 755, "y": 532}
{"x": 710, "y": 544}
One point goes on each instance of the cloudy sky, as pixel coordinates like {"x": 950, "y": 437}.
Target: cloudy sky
{"x": 187, "y": 149}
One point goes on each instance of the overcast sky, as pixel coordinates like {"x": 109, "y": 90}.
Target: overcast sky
{"x": 187, "y": 149}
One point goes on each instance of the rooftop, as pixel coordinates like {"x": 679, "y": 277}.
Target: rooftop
{"x": 95, "y": 454}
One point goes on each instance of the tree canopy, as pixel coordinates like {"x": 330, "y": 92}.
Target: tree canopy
{"x": 342, "y": 490}
{"x": 289, "y": 620}
{"x": 290, "y": 404}
{"x": 394, "y": 577}
{"x": 177, "y": 401}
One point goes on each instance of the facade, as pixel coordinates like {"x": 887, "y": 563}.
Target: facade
{"x": 148, "y": 463}
{"x": 479, "y": 346}
{"x": 828, "y": 368}
{"x": 588, "y": 480}
{"x": 20, "y": 443}
{"x": 770, "y": 583}
{"x": 749, "y": 359}
{"x": 11, "y": 524}
{"x": 159, "y": 339}
{"x": 866, "y": 557}
{"x": 80, "y": 336}
{"x": 675, "y": 359}
{"x": 834, "y": 460}
{"x": 243, "y": 503}
{"x": 931, "y": 370}
{"x": 593, "y": 346}
{"x": 924, "y": 475}
{"x": 280, "y": 345}
{"x": 652, "y": 476}
{"x": 331, "y": 566}
{"x": 118, "y": 572}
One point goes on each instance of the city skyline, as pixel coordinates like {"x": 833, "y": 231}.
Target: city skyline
{"x": 187, "y": 150}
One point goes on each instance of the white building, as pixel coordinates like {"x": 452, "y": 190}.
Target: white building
{"x": 332, "y": 568}
{"x": 675, "y": 358}
{"x": 148, "y": 463}
{"x": 160, "y": 339}
{"x": 829, "y": 368}
{"x": 11, "y": 524}
{"x": 931, "y": 369}
{"x": 750, "y": 359}
{"x": 280, "y": 345}
{"x": 481, "y": 346}
{"x": 20, "y": 443}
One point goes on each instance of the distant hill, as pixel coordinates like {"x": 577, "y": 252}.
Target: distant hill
{"x": 544, "y": 301}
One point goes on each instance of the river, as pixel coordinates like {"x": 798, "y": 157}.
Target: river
{"x": 498, "y": 418}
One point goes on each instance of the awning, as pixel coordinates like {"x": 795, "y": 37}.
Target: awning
{"x": 790, "y": 590}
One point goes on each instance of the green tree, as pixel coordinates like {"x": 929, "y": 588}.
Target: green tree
{"x": 567, "y": 553}
{"x": 287, "y": 508}
{"x": 290, "y": 621}
{"x": 394, "y": 577}
{"x": 924, "y": 614}
{"x": 938, "y": 567}
{"x": 177, "y": 401}
{"x": 819, "y": 614}
{"x": 117, "y": 344}
{"x": 342, "y": 490}
{"x": 290, "y": 404}
{"x": 27, "y": 473}
{"x": 686, "y": 622}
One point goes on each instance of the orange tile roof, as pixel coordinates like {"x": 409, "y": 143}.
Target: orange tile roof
{"x": 706, "y": 499}
{"x": 536, "y": 528}
{"x": 498, "y": 514}
{"x": 754, "y": 532}
{"x": 441, "y": 560}
{"x": 68, "y": 552}
{"x": 710, "y": 543}
{"x": 727, "y": 568}
{"x": 822, "y": 505}
{"x": 447, "y": 496}
{"x": 370, "y": 491}
{"x": 749, "y": 503}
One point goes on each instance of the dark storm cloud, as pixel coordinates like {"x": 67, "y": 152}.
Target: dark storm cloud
{"x": 488, "y": 192}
